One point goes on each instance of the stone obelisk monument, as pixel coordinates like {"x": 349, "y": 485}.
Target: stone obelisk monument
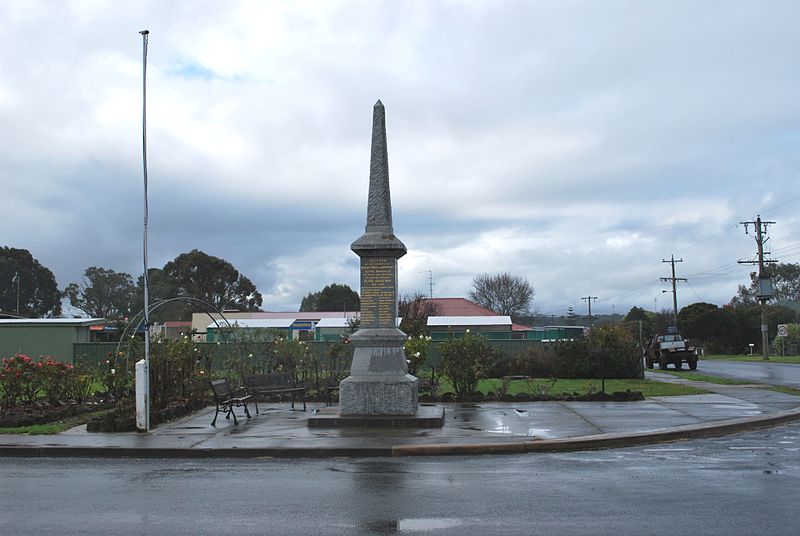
{"x": 379, "y": 383}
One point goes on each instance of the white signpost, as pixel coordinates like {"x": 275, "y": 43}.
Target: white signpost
{"x": 142, "y": 395}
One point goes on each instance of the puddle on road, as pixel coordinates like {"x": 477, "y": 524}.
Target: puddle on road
{"x": 427, "y": 524}
{"x": 388, "y": 526}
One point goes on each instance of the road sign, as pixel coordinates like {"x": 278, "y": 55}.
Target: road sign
{"x": 783, "y": 330}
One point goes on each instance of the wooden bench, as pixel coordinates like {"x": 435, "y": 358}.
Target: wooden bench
{"x": 429, "y": 386}
{"x": 274, "y": 384}
{"x": 225, "y": 399}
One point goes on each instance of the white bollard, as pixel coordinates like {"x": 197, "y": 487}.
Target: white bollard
{"x": 142, "y": 396}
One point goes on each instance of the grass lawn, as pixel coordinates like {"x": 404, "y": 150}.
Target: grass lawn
{"x": 55, "y": 427}
{"x": 696, "y": 377}
{"x": 784, "y": 390}
{"x": 532, "y": 386}
{"x": 795, "y": 359}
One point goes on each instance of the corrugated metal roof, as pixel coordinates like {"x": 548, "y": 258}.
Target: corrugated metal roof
{"x": 176, "y": 324}
{"x": 52, "y": 321}
{"x": 459, "y": 307}
{"x": 333, "y": 323}
{"x": 496, "y": 320}
{"x": 256, "y": 323}
{"x": 339, "y": 322}
{"x": 310, "y": 315}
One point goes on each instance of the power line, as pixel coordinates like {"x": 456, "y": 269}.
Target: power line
{"x": 695, "y": 292}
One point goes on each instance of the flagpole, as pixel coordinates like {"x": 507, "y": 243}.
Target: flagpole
{"x": 143, "y": 377}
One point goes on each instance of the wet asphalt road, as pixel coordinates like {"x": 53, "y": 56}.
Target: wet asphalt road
{"x": 738, "y": 485}
{"x": 771, "y": 373}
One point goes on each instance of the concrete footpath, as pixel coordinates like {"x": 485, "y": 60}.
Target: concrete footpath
{"x": 479, "y": 428}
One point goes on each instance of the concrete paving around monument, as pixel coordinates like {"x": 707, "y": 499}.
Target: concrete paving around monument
{"x": 469, "y": 428}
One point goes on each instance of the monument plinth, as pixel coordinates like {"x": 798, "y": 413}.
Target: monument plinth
{"x": 379, "y": 383}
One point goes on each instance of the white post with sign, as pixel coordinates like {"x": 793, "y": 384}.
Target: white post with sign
{"x": 142, "y": 396}
{"x": 783, "y": 331}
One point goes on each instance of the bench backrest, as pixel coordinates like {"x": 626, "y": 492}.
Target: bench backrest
{"x": 221, "y": 389}
{"x": 275, "y": 379}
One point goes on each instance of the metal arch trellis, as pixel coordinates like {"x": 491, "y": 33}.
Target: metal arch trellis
{"x": 138, "y": 318}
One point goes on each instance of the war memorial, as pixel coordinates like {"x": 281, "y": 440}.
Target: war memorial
{"x": 379, "y": 390}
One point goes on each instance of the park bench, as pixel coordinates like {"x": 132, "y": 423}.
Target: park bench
{"x": 226, "y": 399}
{"x": 428, "y": 386}
{"x": 273, "y": 384}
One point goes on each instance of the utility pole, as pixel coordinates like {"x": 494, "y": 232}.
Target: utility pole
{"x": 764, "y": 281}
{"x": 589, "y": 299}
{"x": 672, "y": 261}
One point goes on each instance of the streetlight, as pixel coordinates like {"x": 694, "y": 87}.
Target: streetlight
{"x": 16, "y": 279}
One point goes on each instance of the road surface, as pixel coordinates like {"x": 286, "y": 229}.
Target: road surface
{"x": 767, "y": 372}
{"x": 738, "y": 485}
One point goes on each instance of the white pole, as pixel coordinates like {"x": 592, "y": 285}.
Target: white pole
{"x": 143, "y": 378}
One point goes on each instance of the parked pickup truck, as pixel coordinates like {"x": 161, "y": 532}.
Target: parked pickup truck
{"x": 670, "y": 349}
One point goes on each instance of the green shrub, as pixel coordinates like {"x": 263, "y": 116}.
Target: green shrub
{"x": 178, "y": 370}
{"x": 538, "y": 361}
{"x": 465, "y": 361}
{"x": 25, "y": 381}
{"x": 19, "y": 380}
{"x": 417, "y": 350}
{"x": 607, "y": 352}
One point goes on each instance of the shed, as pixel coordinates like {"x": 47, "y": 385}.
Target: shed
{"x": 281, "y": 327}
{"x": 52, "y": 337}
{"x": 497, "y": 327}
{"x": 332, "y": 329}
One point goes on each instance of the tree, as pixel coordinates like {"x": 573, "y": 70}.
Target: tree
{"x": 696, "y": 320}
{"x": 103, "y": 293}
{"x": 785, "y": 281}
{"x": 504, "y": 293}
{"x": 211, "y": 279}
{"x": 415, "y": 309}
{"x": 38, "y": 292}
{"x": 636, "y": 315}
{"x": 713, "y": 328}
{"x": 785, "y": 285}
{"x": 334, "y": 297}
{"x": 663, "y": 321}
{"x": 572, "y": 317}
{"x": 745, "y": 296}
{"x": 160, "y": 287}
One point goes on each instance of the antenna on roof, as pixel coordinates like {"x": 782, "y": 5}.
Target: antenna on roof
{"x": 430, "y": 281}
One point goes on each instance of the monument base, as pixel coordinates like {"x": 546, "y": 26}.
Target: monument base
{"x": 378, "y": 395}
{"x": 425, "y": 417}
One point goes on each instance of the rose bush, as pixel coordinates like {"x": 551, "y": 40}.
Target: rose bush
{"x": 25, "y": 381}
{"x": 417, "y": 349}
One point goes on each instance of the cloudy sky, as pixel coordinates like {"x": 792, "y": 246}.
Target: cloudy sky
{"x": 577, "y": 144}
